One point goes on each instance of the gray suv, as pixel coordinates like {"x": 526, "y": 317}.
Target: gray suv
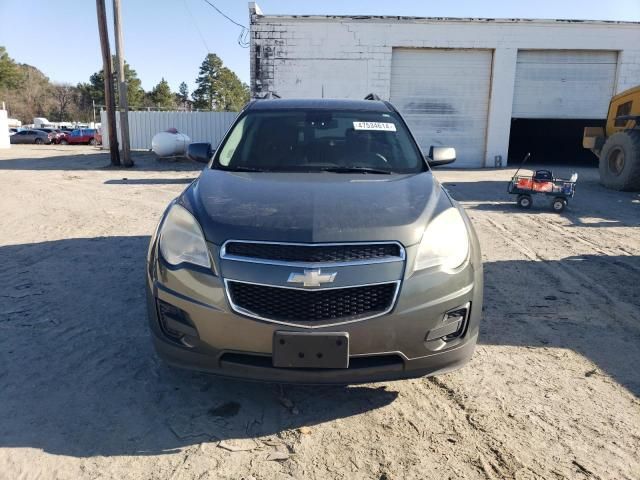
{"x": 316, "y": 247}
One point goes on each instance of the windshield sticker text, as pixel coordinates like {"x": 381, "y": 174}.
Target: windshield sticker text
{"x": 379, "y": 126}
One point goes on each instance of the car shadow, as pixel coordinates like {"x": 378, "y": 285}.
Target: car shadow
{"x": 533, "y": 304}
{"x": 143, "y": 161}
{"x": 79, "y": 375}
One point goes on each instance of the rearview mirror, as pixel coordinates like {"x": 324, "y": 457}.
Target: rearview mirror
{"x": 441, "y": 156}
{"x": 200, "y": 152}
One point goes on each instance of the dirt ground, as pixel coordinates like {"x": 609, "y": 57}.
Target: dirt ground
{"x": 552, "y": 391}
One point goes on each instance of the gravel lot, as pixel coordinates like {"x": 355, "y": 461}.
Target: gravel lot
{"x": 552, "y": 391}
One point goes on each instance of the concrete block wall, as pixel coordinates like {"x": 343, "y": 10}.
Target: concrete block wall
{"x": 348, "y": 57}
{"x": 629, "y": 67}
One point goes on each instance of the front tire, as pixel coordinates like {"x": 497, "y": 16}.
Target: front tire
{"x": 525, "y": 201}
{"x": 559, "y": 204}
{"x": 620, "y": 161}
{"x": 38, "y": 141}
{"x": 64, "y": 142}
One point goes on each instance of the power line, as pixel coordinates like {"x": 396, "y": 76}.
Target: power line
{"x": 225, "y": 15}
{"x": 193, "y": 19}
{"x": 244, "y": 33}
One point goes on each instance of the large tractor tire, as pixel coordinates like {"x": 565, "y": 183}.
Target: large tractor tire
{"x": 620, "y": 161}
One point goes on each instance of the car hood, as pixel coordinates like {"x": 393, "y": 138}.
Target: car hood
{"x": 313, "y": 207}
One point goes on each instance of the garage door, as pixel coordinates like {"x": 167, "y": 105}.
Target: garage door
{"x": 444, "y": 96}
{"x": 564, "y": 84}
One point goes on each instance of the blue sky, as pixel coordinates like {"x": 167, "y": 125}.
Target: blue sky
{"x": 169, "y": 38}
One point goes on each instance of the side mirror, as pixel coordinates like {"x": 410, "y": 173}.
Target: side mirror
{"x": 441, "y": 156}
{"x": 200, "y": 152}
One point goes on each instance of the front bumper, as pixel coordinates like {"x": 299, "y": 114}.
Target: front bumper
{"x": 368, "y": 369}
{"x": 388, "y": 347}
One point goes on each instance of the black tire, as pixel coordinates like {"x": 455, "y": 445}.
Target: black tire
{"x": 38, "y": 141}
{"x": 558, "y": 204}
{"x": 64, "y": 142}
{"x": 92, "y": 142}
{"x": 525, "y": 201}
{"x": 620, "y": 161}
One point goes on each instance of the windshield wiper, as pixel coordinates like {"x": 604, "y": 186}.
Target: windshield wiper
{"x": 356, "y": 170}
{"x": 241, "y": 168}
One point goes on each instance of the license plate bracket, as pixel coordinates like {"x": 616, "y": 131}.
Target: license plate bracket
{"x": 310, "y": 350}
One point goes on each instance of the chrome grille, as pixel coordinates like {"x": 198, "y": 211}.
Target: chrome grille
{"x": 303, "y": 253}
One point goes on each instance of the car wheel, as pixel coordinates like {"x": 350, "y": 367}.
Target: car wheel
{"x": 64, "y": 142}
{"x": 525, "y": 201}
{"x": 38, "y": 141}
{"x": 559, "y": 204}
{"x": 92, "y": 141}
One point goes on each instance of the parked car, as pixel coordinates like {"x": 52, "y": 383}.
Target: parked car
{"x": 31, "y": 136}
{"x": 55, "y": 134}
{"x": 13, "y": 131}
{"x": 79, "y": 136}
{"x": 316, "y": 246}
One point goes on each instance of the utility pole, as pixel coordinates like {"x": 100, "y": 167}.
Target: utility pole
{"x": 108, "y": 83}
{"x": 122, "y": 86}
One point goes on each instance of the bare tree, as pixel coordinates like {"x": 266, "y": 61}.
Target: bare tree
{"x": 65, "y": 96}
{"x": 33, "y": 98}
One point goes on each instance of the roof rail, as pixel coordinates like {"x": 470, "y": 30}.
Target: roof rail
{"x": 372, "y": 96}
{"x": 266, "y": 96}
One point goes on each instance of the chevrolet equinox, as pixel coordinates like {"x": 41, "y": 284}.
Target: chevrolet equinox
{"x": 316, "y": 246}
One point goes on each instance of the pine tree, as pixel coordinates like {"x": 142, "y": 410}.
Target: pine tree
{"x": 218, "y": 87}
{"x": 9, "y": 71}
{"x": 232, "y": 94}
{"x": 204, "y": 95}
{"x": 135, "y": 92}
{"x": 161, "y": 95}
{"x": 183, "y": 93}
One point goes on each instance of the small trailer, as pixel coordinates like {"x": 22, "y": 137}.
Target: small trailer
{"x": 542, "y": 182}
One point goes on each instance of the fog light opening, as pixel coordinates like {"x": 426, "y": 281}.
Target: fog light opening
{"x": 176, "y": 324}
{"x": 454, "y": 325}
{"x": 458, "y": 316}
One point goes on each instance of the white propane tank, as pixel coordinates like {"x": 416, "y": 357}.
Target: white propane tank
{"x": 169, "y": 143}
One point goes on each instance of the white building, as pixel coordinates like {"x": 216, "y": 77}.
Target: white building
{"x": 4, "y": 130}
{"x": 462, "y": 82}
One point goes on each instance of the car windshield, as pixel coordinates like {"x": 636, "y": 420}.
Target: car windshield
{"x": 320, "y": 140}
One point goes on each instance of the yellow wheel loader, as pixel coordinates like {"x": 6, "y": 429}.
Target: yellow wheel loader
{"x": 618, "y": 144}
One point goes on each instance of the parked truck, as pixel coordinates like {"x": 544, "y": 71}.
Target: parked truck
{"x": 41, "y": 122}
{"x": 617, "y": 145}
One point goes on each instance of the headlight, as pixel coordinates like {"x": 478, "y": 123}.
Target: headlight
{"x": 182, "y": 240}
{"x": 445, "y": 242}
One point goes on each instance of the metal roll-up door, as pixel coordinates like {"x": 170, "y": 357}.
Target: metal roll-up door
{"x": 443, "y": 94}
{"x": 571, "y": 84}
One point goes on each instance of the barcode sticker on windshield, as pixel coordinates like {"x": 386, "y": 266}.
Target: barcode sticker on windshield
{"x": 379, "y": 126}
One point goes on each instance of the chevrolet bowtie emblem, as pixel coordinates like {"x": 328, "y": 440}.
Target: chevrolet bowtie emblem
{"x": 312, "y": 278}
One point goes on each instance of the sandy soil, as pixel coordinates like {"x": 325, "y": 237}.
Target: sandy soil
{"x": 552, "y": 391}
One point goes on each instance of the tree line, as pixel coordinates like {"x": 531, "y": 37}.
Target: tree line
{"x": 28, "y": 93}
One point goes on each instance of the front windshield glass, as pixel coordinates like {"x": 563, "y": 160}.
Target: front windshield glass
{"x": 320, "y": 140}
